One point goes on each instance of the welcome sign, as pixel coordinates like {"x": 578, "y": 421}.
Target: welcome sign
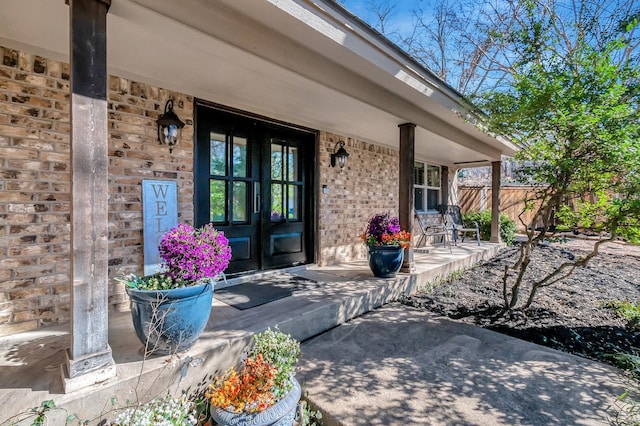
{"x": 159, "y": 214}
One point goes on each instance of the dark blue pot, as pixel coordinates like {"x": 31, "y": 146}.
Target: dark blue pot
{"x": 385, "y": 261}
{"x": 169, "y": 321}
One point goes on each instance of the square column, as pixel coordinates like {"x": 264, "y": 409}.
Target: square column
{"x": 406, "y": 208}
{"x": 495, "y": 201}
{"x": 89, "y": 357}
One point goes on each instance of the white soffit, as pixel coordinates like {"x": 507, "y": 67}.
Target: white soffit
{"x": 212, "y": 50}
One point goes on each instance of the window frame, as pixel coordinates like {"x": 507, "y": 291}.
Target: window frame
{"x": 426, "y": 188}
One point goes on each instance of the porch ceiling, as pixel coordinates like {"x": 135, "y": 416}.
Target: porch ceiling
{"x": 298, "y": 61}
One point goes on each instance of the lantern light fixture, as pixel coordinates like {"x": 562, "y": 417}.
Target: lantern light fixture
{"x": 339, "y": 154}
{"x": 169, "y": 127}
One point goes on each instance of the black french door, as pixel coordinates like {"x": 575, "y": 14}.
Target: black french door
{"x": 253, "y": 181}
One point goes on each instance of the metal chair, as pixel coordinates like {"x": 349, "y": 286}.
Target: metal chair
{"x": 453, "y": 218}
{"x": 431, "y": 230}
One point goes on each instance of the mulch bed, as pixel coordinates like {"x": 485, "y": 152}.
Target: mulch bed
{"x": 570, "y": 316}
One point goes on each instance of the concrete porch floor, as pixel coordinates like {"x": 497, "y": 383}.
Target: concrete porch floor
{"x": 30, "y": 362}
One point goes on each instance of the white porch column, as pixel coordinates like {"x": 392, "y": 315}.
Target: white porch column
{"x": 495, "y": 201}
{"x": 89, "y": 357}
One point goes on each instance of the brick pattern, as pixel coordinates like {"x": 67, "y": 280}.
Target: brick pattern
{"x": 34, "y": 191}
{"x": 367, "y": 185}
{"x": 35, "y": 186}
{"x": 135, "y": 154}
{"x": 35, "y": 183}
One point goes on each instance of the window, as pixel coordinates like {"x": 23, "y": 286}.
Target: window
{"x": 228, "y": 178}
{"x": 426, "y": 186}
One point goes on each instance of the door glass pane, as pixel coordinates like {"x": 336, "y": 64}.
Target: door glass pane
{"x": 217, "y": 198}
{"x": 239, "y": 201}
{"x": 433, "y": 199}
{"x": 239, "y": 156}
{"x": 293, "y": 202}
{"x": 419, "y": 198}
{"x": 292, "y": 164}
{"x": 276, "y": 162}
{"x": 276, "y": 202}
{"x": 218, "y": 157}
{"x": 418, "y": 173}
{"x": 433, "y": 175}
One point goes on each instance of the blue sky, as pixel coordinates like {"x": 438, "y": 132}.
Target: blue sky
{"x": 401, "y": 16}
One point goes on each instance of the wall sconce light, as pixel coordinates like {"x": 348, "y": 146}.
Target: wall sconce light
{"x": 339, "y": 154}
{"x": 169, "y": 127}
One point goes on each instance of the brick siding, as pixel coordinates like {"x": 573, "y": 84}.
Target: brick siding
{"x": 368, "y": 184}
{"x": 35, "y": 186}
{"x": 35, "y": 183}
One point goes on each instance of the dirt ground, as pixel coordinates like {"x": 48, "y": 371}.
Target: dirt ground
{"x": 570, "y": 315}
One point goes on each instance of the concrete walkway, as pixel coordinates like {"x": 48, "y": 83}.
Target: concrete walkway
{"x": 401, "y": 366}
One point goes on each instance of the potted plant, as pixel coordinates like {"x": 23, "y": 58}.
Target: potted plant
{"x": 162, "y": 411}
{"x": 386, "y": 243}
{"x": 171, "y": 308}
{"x": 263, "y": 391}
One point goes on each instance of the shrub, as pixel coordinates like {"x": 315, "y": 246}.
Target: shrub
{"x": 507, "y": 225}
{"x": 627, "y": 310}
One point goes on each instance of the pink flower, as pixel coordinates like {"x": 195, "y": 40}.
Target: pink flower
{"x": 192, "y": 254}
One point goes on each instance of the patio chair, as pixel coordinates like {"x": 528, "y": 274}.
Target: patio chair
{"x": 453, "y": 218}
{"x": 432, "y": 230}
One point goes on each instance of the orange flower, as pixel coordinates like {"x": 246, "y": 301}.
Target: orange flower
{"x": 402, "y": 238}
{"x": 250, "y": 391}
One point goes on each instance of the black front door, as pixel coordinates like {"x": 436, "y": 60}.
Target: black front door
{"x": 253, "y": 181}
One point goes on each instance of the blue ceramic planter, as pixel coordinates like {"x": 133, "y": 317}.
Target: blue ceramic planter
{"x": 169, "y": 321}
{"x": 385, "y": 261}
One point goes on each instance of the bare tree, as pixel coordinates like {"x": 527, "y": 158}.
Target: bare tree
{"x": 473, "y": 45}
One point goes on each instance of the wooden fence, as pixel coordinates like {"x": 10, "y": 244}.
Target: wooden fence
{"x": 478, "y": 198}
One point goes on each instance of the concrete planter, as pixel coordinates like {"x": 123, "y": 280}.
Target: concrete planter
{"x": 280, "y": 414}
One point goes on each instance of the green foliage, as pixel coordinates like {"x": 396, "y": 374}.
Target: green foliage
{"x": 38, "y": 416}
{"x": 628, "y": 362}
{"x": 576, "y": 115}
{"x": 41, "y": 411}
{"x": 629, "y": 409}
{"x": 508, "y": 226}
{"x": 280, "y": 350}
{"x": 628, "y": 404}
{"x": 159, "y": 281}
{"x": 309, "y": 416}
{"x": 572, "y": 105}
{"x": 508, "y": 229}
{"x": 627, "y": 310}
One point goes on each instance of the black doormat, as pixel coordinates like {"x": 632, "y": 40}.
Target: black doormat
{"x": 263, "y": 290}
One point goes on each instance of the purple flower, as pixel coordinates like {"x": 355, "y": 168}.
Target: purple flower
{"x": 192, "y": 254}
{"x": 380, "y": 224}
